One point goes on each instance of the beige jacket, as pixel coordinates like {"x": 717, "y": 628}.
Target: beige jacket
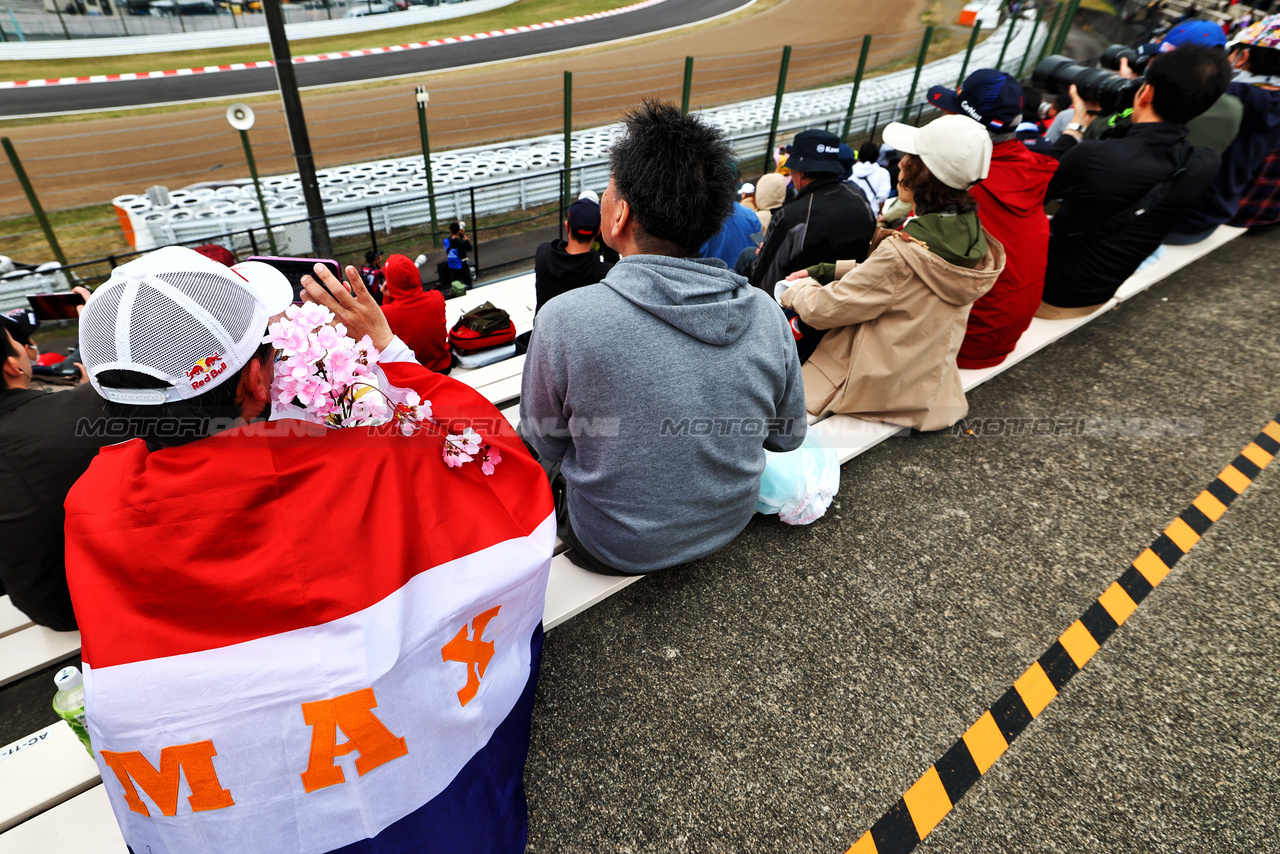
{"x": 897, "y": 321}
{"x": 771, "y": 193}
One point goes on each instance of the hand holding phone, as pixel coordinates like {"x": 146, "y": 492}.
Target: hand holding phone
{"x": 56, "y": 306}
{"x": 295, "y": 268}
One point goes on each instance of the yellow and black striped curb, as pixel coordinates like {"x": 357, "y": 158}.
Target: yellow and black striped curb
{"x": 931, "y": 797}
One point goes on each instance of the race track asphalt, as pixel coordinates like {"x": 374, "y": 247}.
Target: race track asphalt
{"x": 254, "y": 81}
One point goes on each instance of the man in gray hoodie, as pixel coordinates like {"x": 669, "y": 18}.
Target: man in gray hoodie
{"x": 652, "y": 396}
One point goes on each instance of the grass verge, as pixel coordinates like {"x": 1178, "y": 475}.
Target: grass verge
{"x": 521, "y": 13}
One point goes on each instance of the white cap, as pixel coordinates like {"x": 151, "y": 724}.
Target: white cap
{"x": 747, "y": 188}
{"x": 68, "y": 679}
{"x": 956, "y": 149}
{"x": 589, "y": 194}
{"x": 180, "y": 317}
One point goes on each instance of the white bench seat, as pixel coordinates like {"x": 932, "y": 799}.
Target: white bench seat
{"x": 82, "y": 825}
{"x": 11, "y": 619}
{"x": 28, "y": 650}
{"x": 48, "y": 768}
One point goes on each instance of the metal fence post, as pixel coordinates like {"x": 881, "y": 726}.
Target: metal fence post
{"x": 973, "y": 40}
{"x": 568, "y": 133}
{"x": 257, "y": 186}
{"x": 915, "y": 81}
{"x": 3, "y": 38}
{"x": 17, "y": 28}
{"x": 373, "y": 232}
{"x": 475, "y": 233}
{"x": 122, "y": 15}
{"x": 422, "y": 98}
{"x": 1031, "y": 42}
{"x": 1065, "y": 29}
{"x": 1050, "y": 34}
{"x": 35, "y": 202}
{"x": 688, "y": 85}
{"x": 857, "y": 84}
{"x": 181, "y": 21}
{"x": 1008, "y": 37}
{"x": 777, "y": 107}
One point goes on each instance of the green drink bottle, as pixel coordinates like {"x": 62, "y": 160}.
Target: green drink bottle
{"x": 69, "y": 702}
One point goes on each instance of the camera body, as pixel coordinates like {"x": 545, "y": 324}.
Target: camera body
{"x": 1113, "y": 93}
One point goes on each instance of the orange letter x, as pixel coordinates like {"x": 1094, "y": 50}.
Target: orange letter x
{"x": 471, "y": 651}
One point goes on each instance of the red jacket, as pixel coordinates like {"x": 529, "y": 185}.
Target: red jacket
{"x": 416, "y": 316}
{"x": 1011, "y": 207}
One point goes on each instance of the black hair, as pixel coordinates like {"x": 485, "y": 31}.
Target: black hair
{"x": 455, "y": 227}
{"x": 1187, "y": 81}
{"x": 10, "y": 349}
{"x": 674, "y": 172}
{"x": 182, "y": 421}
{"x": 1263, "y": 61}
{"x": 1031, "y": 101}
{"x": 869, "y": 153}
{"x": 371, "y": 256}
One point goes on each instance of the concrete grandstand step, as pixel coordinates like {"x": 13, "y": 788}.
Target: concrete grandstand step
{"x": 46, "y": 768}
{"x": 82, "y": 825}
{"x": 27, "y": 650}
{"x": 11, "y": 619}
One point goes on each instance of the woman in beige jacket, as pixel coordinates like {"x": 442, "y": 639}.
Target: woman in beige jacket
{"x": 897, "y": 319}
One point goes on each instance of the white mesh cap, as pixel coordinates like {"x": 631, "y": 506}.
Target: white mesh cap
{"x": 180, "y": 317}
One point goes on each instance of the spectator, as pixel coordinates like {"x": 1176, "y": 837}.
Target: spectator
{"x": 897, "y": 319}
{"x": 1243, "y": 191}
{"x": 454, "y": 267}
{"x": 734, "y": 236}
{"x": 1011, "y": 208}
{"x": 214, "y": 252}
{"x": 306, "y": 606}
{"x": 44, "y": 448}
{"x": 620, "y": 378}
{"x": 747, "y": 195}
{"x": 870, "y": 176}
{"x": 372, "y": 274}
{"x": 1122, "y": 194}
{"x": 828, "y": 220}
{"x": 562, "y": 265}
{"x": 1060, "y": 115}
{"x": 416, "y": 316}
{"x": 771, "y": 193}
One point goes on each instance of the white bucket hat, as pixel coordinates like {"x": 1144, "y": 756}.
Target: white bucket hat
{"x": 956, "y": 149}
{"x": 180, "y": 317}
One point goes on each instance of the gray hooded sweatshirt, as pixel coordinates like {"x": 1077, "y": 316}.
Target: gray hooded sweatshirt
{"x": 658, "y": 390}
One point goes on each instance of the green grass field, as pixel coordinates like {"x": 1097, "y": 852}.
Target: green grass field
{"x": 521, "y": 13}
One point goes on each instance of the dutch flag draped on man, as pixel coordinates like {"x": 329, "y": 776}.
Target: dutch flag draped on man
{"x": 308, "y": 640}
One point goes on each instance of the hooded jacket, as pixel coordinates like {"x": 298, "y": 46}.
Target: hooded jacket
{"x": 873, "y": 180}
{"x": 1259, "y": 135}
{"x": 771, "y": 194}
{"x": 416, "y": 316}
{"x": 896, "y": 322}
{"x": 658, "y": 390}
{"x": 829, "y": 221}
{"x": 1011, "y": 207}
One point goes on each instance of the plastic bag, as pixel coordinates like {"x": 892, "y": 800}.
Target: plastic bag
{"x": 799, "y": 485}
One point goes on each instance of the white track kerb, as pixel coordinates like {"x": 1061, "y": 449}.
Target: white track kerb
{"x": 206, "y": 210}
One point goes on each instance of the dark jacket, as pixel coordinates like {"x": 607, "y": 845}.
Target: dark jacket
{"x": 1100, "y": 178}
{"x": 557, "y": 271}
{"x": 829, "y": 221}
{"x": 40, "y": 458}
{"x": 1259, "y": 135}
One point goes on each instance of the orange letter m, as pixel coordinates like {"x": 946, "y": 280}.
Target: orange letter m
{"x": 194, "y": 760}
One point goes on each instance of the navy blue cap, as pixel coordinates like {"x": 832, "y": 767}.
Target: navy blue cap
{"x": 989, "y": 97}
{"x": 815, "y": 151}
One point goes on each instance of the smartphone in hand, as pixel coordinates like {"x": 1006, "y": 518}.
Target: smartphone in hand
{"x": 55, "y": 306}
{"x": 295, "y": 268}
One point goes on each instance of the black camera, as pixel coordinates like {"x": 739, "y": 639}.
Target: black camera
{"x": 1112, "y": 55}
{"x": 1113, "y": 93}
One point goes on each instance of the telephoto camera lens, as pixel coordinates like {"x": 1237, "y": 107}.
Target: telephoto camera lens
{"x": 1113, "y": 93}
{"x": 1112, "y": 55}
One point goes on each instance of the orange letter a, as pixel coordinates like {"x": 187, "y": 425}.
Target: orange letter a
{"x": 365, "y": 734}
{"x": 194, "y": 760}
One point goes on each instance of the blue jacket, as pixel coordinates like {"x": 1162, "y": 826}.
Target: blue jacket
{"x": 734, "y": 236}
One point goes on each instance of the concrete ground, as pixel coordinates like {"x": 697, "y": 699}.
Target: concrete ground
{"x": 782, "y": 694}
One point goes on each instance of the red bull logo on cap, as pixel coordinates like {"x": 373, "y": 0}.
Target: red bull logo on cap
{"x": 205, "y": 370}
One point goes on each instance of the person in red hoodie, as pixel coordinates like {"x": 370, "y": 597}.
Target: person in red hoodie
{"x": 1011, "y": 207}
{"x": 416, "y": 316}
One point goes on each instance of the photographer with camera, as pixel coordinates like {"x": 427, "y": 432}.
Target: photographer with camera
{"x": 1121, "y": 194}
